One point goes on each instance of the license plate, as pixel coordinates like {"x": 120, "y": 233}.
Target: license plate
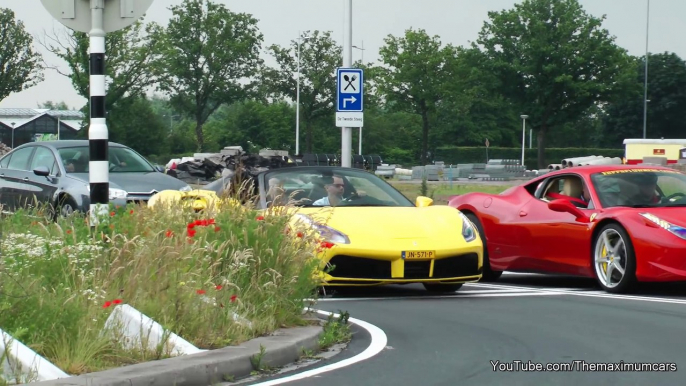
{"x": 407, "y": 255}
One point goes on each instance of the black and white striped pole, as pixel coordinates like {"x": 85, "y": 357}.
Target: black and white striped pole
{"x": 99, "y": 171}
{"x": 97, "y": 19}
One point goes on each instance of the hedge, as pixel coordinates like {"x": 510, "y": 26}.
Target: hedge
{"x": 467, "y": 155}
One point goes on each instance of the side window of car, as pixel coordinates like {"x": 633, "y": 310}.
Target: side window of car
{"x": 43, "y": 157}
{"x": 5, "y": 161}
{"x": 20, "y": 159}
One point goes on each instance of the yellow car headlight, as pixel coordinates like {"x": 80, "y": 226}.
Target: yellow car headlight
{"x": 468, "y": 229}
{"x": 326, "y": 232}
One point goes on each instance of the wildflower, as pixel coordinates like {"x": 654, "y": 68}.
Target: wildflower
{"x": 112, "y": 214}
{"x": 169, "y": 233}
{"x": 191, "y": 232}
{"x": 233, "y": 298}
{"x": 260, "y": 218}
{"x": 200, "y": 292}
{"x": 116, "y": 301}
{"x": 218, "y": 287}
{"x": 107, "y": 304}
{"x": 217, "y": 229}
{"x": 131, "y": 211}
{"x": 68, "y": 231}
{"x": 300, "y": 234}
{"x": 191, "y": 225}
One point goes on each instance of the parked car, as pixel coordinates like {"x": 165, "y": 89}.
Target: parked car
{"x": 56, "y": 173}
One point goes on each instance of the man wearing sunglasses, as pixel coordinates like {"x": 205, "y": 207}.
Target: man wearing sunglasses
{"x": 334, "y": 190}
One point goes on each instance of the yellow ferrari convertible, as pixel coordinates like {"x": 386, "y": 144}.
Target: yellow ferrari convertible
{"x": 375, "y": 235}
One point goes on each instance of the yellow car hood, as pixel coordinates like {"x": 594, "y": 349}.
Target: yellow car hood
{"x": 390, "y": 223}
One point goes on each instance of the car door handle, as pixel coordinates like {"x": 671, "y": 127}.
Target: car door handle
{"x": 522, "y": 213}
{"x": 26, "y": 178}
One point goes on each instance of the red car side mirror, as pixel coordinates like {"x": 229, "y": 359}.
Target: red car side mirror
{"x": 562, "y": 205}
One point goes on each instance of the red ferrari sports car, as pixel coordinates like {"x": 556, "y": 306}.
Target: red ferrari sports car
{"x": 621, "y": 224}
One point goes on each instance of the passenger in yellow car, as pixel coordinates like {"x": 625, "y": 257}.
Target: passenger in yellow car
{"x": 334, "y": 190}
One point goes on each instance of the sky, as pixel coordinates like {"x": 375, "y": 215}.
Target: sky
{"x": 456, "y": 21}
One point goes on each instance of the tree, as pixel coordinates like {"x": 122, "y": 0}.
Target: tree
{"x": 667, "y": 106}
{"x": 20, "y": 66}
{"x": 319, "y": 58}
{"x": 413, "y": 77}
{"x": 50, "y": 105}
{"x": 127, "y": 66}
{"x": 206, "y": 57}
{"x": 554, "y": 61}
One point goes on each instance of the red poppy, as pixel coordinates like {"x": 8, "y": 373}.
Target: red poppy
{"x": 131, "y": 211}
{"x": 260, "y": 218}
{"x": 210, "y": 221}
{"x": 300, "y": 234}
{"x": 217, "y": 229}
{"x": 327, "y": 244}
{"x": 233, "y": 298}
{"x": 200, "y": 292}
{"x": 191, "y": 232}
{"x": 191, "y": 226}
{"x": 198, "y": 222}
{"x": 169, "y": 233}
{"x": 116, "y": 301}
{"x": 107, "y": 304}
{"x": 68, "y": 231}
{"x": 112, "y": 214}
{"x": 218, "y": 287}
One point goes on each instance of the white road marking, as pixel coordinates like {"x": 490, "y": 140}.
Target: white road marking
{"x": 378, "y": 343}
{"x": 581, "y": 292}
{"x": 457, "y": 294}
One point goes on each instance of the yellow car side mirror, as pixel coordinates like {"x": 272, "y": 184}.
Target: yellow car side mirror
{"x": 423, "y": 201}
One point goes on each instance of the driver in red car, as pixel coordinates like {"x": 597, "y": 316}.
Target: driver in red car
{"x": 647, "y": 189}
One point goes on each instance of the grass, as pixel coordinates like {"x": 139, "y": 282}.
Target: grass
{"x": 201, "y": 277}
{"x": 442, "y": 191}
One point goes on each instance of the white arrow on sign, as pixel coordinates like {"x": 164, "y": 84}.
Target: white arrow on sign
{"x": 351, "y": 99}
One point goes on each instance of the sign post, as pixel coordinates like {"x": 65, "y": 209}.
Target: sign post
{"x": 92, "y": 17}
{"x": 349, "y": 109}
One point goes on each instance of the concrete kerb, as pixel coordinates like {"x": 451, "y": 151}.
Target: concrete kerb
{"x": 281, "y": 348}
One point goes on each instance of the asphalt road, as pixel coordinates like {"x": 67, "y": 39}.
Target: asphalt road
{"x": 455, "y": 339}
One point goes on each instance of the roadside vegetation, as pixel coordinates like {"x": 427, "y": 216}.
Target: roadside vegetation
{"x": 215, "y": 280}
{"x": 441, "y": 191}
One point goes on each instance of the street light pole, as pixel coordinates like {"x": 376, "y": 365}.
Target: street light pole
{"x": 524, "y": 117}
{"x": 362, "y": 60}
{"x": 346, "y": 132}
{"x": 297, "y": 105}
{"x": 645, "y": 84}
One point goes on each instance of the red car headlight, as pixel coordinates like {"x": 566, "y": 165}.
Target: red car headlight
{"x": 677, "y": 230}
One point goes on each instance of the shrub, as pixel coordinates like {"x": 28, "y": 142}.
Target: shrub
{"x": 201, "y": 277}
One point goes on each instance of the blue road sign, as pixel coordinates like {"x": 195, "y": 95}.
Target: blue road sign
{"x": 349, "y": 89}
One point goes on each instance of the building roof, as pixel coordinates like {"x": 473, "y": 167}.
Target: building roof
{"x": 22, "y": 116}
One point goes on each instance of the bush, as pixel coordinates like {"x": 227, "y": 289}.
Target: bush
{"x": 192, "y": 274}
{"x": 477, "y": 154}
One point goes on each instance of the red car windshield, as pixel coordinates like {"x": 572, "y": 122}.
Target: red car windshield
{"x": 640, "y": 188}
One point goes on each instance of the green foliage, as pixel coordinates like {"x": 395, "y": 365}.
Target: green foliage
{"x": 216, "y": 279}
{"x": 336, "y": 330}
{"x": 414, "y": 76}
{"x": 667, "y": 95}
{"x": 319, "y": 58}
{"x": 20, "y": 66}
{"x": 465, "y": 155}
{"x": 203, "y": 55}
{"x": 554, "y": 60}
{"x": 129, "y": 56}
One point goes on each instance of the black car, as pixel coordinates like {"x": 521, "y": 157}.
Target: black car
{"x": 56, "y": 173}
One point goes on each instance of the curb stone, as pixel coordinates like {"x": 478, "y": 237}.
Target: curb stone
{"x": 282, "y": 347}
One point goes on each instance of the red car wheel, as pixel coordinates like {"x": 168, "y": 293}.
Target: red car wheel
{"x": 614, "y": 259}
